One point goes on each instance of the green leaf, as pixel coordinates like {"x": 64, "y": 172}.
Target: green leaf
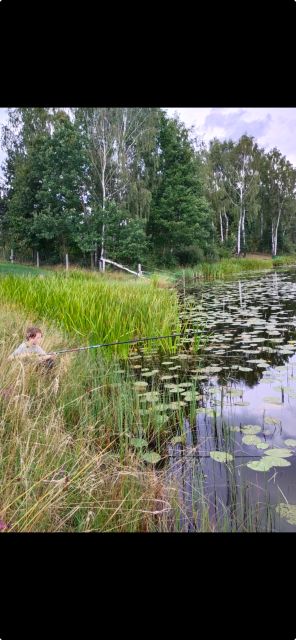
{"x": 275, "y": 421}
{"x": 139, "y": 442}
{"x": 251, "y": 440}
{"x": 177, "y": 440}
{"x": 221, "y": 456}
{"x": 251, "y": 429}
{"x": 260, "y": 465}
{"x": 140, "y": 384}
{"x": 290, "y": 442}
{"x": 279, "y": 453}
{"x": 287, "y": 511}
{"x": 151, "y": 457}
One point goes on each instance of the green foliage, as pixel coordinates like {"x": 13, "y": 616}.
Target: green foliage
{"x": 179, "y": 222}
{"x": 132, "y": 183}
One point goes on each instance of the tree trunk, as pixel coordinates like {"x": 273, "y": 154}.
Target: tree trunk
{"x": 240, "y": 222}
{"x": 37, "y": 259}
{"x": 239, "y": 234}
{"x": 67, "y": 262}
{"x": 221, "y": 228}
{"x": 243, "y": 229}
{"x": 104, "y": 164}
{"x": 261, "y": 226}
{"x": 274, "y": 234}
{"x": 226, "y": 231}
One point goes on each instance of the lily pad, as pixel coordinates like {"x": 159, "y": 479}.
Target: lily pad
{"x": 274, "y": 421}
{"x": 151, "y": 396}
{"x": 149, "y": 374}
{"x": 139, "y": 442}
{"x": 191, "y": 395}
{"x": 279, "y": 453}
{"x": 251, "y": 429}
{"x": 290, "y": 442}
{"x": 251, "y": 440}
{"x": 278, "y": 462}
{"x": 267, "y": 463}
{"x": 264, "y": 464}
{"x": 287, "y": 511}
{"x": 177, "y": 404}
{"x": 177, "y": 440}
{"x": 221, "y": 456}
{"x": 140, "y": 384}
{"x": 151, "y": 457}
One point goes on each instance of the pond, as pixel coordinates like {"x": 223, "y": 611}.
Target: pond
{"x": 234, "y": 455}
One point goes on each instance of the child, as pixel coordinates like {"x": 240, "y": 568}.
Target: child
{"x": 32, "y": 346}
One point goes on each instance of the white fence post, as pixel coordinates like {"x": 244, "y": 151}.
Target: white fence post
{"x": 11, "y": 256}
{"x": 38, "y": 259}
{"x": 67, "y": 262}
{"x": 139, "y": 270}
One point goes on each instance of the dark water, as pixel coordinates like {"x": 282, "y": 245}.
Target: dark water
{"x": 245, "y": 382}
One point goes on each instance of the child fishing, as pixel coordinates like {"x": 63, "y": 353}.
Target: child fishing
{"x": 31, "y": 346}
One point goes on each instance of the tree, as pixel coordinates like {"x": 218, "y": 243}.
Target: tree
{"x": 216, "y": 191}
{"x": 47, "y": 182}
{"x": 61, "y": 196}
{"x": 242, "y": 182}
{"x": 180, "y": 219}
{"x": 278, "y": 192}
{"x": 115, "y": 139}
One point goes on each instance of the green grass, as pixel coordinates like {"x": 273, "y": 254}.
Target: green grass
{"x": 96, "y": 310}
{"x": 21, "y": 270}
{"x": 229, "y": 267}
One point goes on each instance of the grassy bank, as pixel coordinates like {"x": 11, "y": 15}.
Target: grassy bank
{"x": 96, "y": 309}
{"x": 65, "y": 437}
{"x": 229, "y": 267}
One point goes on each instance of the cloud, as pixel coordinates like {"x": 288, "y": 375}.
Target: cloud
{"x": 272, "y": 127}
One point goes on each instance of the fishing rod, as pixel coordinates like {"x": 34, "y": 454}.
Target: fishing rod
{"x": 111, "y": 344}
{"x": 189, "y": 333}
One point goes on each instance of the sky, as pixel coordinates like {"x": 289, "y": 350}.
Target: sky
{"x": 271, "y": 127}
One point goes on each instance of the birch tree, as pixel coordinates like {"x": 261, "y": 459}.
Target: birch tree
{"x": 280, "y": 187}
{"x": 113, "y": 136}
{"x": 242, "y": 182}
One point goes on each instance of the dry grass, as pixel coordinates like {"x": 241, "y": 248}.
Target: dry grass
{"x": 64, "y": 471}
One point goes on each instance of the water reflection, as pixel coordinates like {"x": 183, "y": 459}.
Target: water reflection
{"x": 242, "y": 377}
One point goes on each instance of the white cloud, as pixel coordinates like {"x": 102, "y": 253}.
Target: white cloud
{"x": 271, "y": 126}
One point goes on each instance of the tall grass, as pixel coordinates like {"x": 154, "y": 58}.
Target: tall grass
{"x": 67, "y": 463}
{"x": 232, "y": 266}
{"x": 96, "y": 310}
